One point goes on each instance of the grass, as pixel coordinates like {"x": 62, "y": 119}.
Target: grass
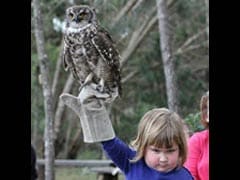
{"x": 74, "y": 174}
{"x": 81, "y": 173}
{"x": 62, "y": 173}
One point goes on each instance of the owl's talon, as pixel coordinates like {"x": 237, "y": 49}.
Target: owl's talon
{"x": 100, "y": 88}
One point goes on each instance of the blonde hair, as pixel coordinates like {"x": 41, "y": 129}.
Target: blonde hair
{"x": 161, "y": 128}
{"x": 204, "y": 108}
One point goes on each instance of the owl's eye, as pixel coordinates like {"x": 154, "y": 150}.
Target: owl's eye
{"x": 71, "y": 15}
{"x": 80, "y": 16}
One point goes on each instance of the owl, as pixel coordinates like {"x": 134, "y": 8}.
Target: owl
{"x": 89, "y": 51}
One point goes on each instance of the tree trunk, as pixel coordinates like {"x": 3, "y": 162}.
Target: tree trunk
{"x": 47, "y": 93}
{"x": 207, "y": 16}
{"x": 167, "y": 57}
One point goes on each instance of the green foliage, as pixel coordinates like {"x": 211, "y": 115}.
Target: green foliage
{"x": 53, "y": 55}
{"x": 127, "y": 129}
{"x": 191, "y": 90}
{"x": 92, "y": 151}
{"x": 193, "y": 122}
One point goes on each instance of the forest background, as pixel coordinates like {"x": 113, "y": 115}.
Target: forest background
{"x": 134, "y": 26}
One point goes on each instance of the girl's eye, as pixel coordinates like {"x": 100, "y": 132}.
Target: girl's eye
{"x": 171, "y": 150}
{"x": 155, "y": 150}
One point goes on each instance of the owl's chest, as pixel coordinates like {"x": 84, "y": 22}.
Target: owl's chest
{"x": 76, "y": 38}
{"x": 80, "y": 45}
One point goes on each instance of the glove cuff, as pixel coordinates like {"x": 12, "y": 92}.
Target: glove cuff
{"x": 95, "y": 122}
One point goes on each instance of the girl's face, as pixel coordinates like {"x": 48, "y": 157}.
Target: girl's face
{"x": 162, "y": 159}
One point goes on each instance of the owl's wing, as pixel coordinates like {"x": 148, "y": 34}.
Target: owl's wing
{"x": 68, "y": 63}
{"x": 66, "y": 59}
{"x": 105, "y": 46}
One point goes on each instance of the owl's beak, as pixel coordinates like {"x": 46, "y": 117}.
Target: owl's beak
{"x": 77, "y": 20}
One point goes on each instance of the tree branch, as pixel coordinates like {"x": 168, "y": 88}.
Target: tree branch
{"x": 138, "y": 36}
{"x": 123, "y": 11}
{"x": 190, "y": 40}
{"x": 60, "y": 107}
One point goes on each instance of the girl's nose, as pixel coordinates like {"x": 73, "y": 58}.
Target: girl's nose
{"x": 162, "y": 157}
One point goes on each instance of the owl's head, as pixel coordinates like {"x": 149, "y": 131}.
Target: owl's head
{"x": 78, "y": 17}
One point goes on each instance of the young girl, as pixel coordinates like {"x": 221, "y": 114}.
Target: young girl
{"x": 198, "y": 158}
{"x": 158, "y": 152}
